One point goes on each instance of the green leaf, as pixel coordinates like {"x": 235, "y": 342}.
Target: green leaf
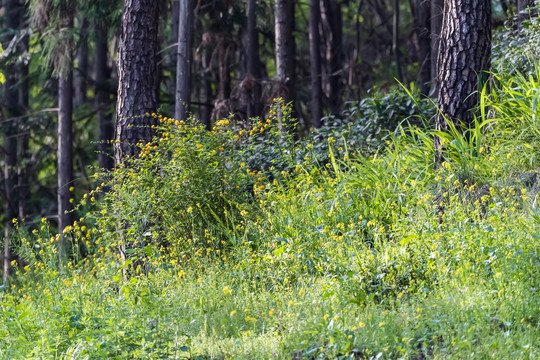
{"x": 279, "y": 251}
{"x": 406, "y": 240}
{"x": 148, "y": 250}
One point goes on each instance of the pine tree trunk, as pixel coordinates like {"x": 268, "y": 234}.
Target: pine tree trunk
{"x": 175, "y": 13}
{"x": 315, "y": 58}
{"x": 136, "y": 77}
{"x": 395, "y": 40}
{"x": 224, "y": 72}
{"x": 465, "y": 50}
{"x": 175, "y": 17}
{"x": 206, "y": 87}
{"x": 333, "y": 21}
{"x": 437, "y": 7}
{"x": 285, "y": 48}
{"x": 23, "y": 171}
{"x": 10, "y": 190}
{"x": 253, "y": 87}
{"x": 11, "y": 111}
{"x": 422, "y": 24}
{"x": 183, "y": 62}
{"x": 65, "y": 127}
{"x": 82, "y": 67}
{"x": 65, "y": 151}
{"x": 105, "y": 123}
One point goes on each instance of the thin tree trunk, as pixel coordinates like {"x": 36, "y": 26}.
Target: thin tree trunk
{"x": 381, "y": 13}
{"x": 175, "y": 17}
{"x": 354, "y": 80}
{"x": 65, "y": 131}
{"x": 105, "y": 123}
{"x": 206, "y": 88}
{"x": 136, "y": 77}
{"x": 252, "y": 88}
{"x": 285, "y": 48}
{"x": 82, "y": 67}
{"x": 465, "y": 50}
{"x": 183, "y": 67}
{"x": 175, "y": 13}
{"x": 224, "y": 80}
{"x": 224, "y": 72}
{"x": 160, "y": 76}
{"x": 285, "y": 52}
{"x": 10, "y": 182}
{"x": 421, "y": 10}
{"x": 11, "y": 111}
{"x": 65, "y": 151}
{"x": 23, "y": 138}
{"x": 333, "y": 23}
{"x": 395, "y": 40}
{"x": 315, "y": 58}
{"x": 436, "y": 24}
{"x": 23, "y": 175}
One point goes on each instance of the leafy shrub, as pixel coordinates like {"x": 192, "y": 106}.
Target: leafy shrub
{"x": 364, "y": 125}
{"x": 188, "y": 193}
{"x": 514, "y": 47}
{"x": 181, "y": 194}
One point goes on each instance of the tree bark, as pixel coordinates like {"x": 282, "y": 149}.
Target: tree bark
{"x": 437, "y": 7}
{"x": 285, "y": 48}
{"x": 332, "y": 21}
{"x": 465, "y": 51}
{"x": 136, "y": 77}
{"x": 224, "y": 71}
{"x": 395, "y": 40}
{"x": 175, "y": 17}
{"x": 175, "y": 11}
{"x": 315, "y": 58}
{"x": 23, "y": 171}
{"x": 82, "y": 66}
{"x": 10, "y": 111}
{"x": 252, "y": 86}
{"x": 422, "y": 25}
{"x": 206, "y": 88}
{"x": 65, "y": 151}
{"x": 10, "y": 190}
{"x": 65, "y": 129}
{"x": 105, "y": 122}
{"x": 183, "y": 64}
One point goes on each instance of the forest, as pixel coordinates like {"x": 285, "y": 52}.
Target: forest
{"x": 271, "y": 179}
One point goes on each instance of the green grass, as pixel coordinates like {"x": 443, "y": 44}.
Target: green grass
{"x": 376, "y": 257}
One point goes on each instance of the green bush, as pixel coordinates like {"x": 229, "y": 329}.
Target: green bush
{"x": 183, "y": 197}
{"x": 514, "y": 46}
{"x": 364, "y": 125}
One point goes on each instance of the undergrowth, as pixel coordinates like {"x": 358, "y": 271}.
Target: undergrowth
{"x": 242, "y": 243}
